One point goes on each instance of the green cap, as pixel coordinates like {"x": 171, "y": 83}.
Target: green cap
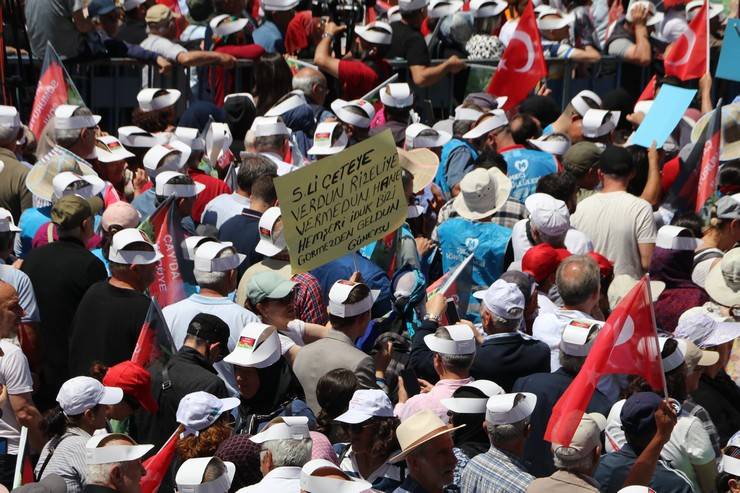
{"x": 581, "y": 158}
{"x": 268, "y": 285}
{"x": 71, "y": 210}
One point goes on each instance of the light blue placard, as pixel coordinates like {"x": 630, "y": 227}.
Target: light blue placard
{"x": 664, "y": 115}
{"x": 728, "y": 67}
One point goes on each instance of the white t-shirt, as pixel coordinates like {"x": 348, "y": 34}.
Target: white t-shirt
{"x": 689, "y": 444}
{"x": 617, "y": 222}
{"x": 15, "y": 375}
{"x": 576, "y": 242}
{"x": 548, "y": 328}
{"x": 163, "y": 47}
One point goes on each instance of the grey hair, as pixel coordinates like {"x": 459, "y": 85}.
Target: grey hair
{"x": 66, "y": 137}
{"x": 8, "y": 135}
{"x": 213, "y": 280}
{"x": 582, "y": 465}
{"x": 289, "y": 452}
{"x": 269, "y": 143}
{"x": 575, "y": 289}
{"x": 506, "y": 433}
{"x": 305, "y": 82}
{"x": 555, "y": 241}
{"x": 100, "y": 473}
{"x": 252, "y": 167}
{"x": 455, "y": 362}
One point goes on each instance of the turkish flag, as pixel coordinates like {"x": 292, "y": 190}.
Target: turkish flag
{"x": 627, "y": 344}
{"x": 522, "y": 64}
{"x": 649, "y": 92}
{"x": 687, "y": 58}
{"x": 709, "y": 158}
{"x": 157, "y": 465}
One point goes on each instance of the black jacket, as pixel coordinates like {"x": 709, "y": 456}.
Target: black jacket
{"x": 549, "y": 387}
{"x": 720, "y": 396}
{"x": 421, "y": 359}
{"x": 506, "y": 357}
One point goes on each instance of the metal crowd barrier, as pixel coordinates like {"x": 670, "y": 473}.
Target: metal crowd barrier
{"x": 109, "y": 86}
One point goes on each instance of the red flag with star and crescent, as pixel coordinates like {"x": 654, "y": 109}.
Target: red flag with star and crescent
{"x": 627, "y": 344}
{"x": 687, "y": 58}
{"x": 522, "y": 64}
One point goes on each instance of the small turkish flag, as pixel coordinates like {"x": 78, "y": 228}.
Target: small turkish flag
{"x": 627, "y": 344}
{"x": 522, "y": 64}
{"x": 687, "y": 58}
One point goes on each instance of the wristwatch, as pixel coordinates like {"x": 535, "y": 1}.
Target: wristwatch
{"x": 327, "y": 35}
{"x": 433, "y": 318}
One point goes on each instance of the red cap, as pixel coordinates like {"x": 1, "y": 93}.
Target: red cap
{"x": 606, "y": 267}
{"x": 542, "y": 260}
{"x": 135, "y": 381}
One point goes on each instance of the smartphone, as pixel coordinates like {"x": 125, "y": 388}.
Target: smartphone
{"x": 451, "y": 312}
{"x": 410, "y": 381}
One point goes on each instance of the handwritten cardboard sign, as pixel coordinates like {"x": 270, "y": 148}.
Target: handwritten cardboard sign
{"x": 342, "y": 202}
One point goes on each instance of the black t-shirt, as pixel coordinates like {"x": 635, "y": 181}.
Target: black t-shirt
{"x": 408, "y": 43}
{"x": 106, "y": 327}
{"x": 243, "y": 232}
{"x": 61, "y": 273}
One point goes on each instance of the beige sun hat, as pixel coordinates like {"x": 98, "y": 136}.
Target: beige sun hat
{"x": 422, "y": 163}
{"x": 482, "y": 193}
{"x": 41, "y": 177}
{"x": 419, "y": 429}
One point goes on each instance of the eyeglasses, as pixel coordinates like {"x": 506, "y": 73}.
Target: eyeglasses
{"x": 735, "y": 311}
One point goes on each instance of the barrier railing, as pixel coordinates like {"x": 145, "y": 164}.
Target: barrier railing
{"x": 109, "y": 86}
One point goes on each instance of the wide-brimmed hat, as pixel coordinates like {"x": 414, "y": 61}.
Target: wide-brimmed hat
{"x": 723, "y": 281}
{"x": 422, "y": 163}
{"x": 729, "y": 137}
{"x": 40, "y": 178}
{"x": 417, "y": 430}
{"x": 482, "y": 193}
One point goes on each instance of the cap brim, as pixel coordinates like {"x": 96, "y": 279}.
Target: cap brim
{"x": 229, "y": 403}
{"x": 718, "y": 289}
{"x": 245, "y": 358}
{"x": 708, "y": 358}
{"x": 352, "y": 417}
{"x": 466, "y": 405}
{"x": 267, "y": 248}
{"x": 111, "y": 396}
{"x": 402, "y": 455}
{"x": 479, "y": 295}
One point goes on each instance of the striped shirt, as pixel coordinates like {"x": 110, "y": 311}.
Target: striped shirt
{"x": 67, "y": 459}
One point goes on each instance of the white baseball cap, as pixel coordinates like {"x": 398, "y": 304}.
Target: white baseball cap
{"x": 110, "y": 150}
{"x": 6, "y": 222}
{"x": 548, "y": 214}
{"x": 411, "y": 5}
{"x": 506, "y": 409}
{"x": 266, "y": 126}
{"x": 597, "y": 123}
{"x": 126, "y": 237}
{"x": 563, "y": 19}
{"x": 654, "y": 17}
{"x": 164, "y": 188}
{"x": 463, "y": 114}
{"x": 271, "y": 242}
{"x": 637, "y": 489}
{"x": 291, "y": 428}
{"x": 575, "y": 339}
{"x": 69, "y": 183}
{"x": 487, "y": 8}
{"x": 692, "y": 8}
{"x": 63, "y": 119}
{"x": 133, "y": 136}
{"x": 462, "y": 341}
{"x": 258, "y": 347}
{"x": 313, "y": 479}
{"x": 366, "y": 404}
{"x": 504, "y": 299}
{"x": 207, "y": 257}
{"x": 189, "y": 478}
{"x": 218, "y": 140}
{"x": 582, "y": 101}
{"x": 294, "y": 99}
{"x": 199, "y": 410}
{"x": 153, "y": 99}
{"x": 473, "y": 405}
{"x": 324, "y": 141}
{"x": 223, "y": 25}
{"x": 190, "y": 137}
{"x": 669, "y": 239}
{"x": 397, "y": 95}
{"x": 676, "y": 358}
{"x": 490, "y": 121}
{"x": 340, "y": 108}
{"x": 377, "y": 33}
{"x": 705, "y": 330}
{"x": 96, "y": 454}
{"x": 191, "y": 243}
{"x": 723, "y": 280}
{"x": 431, "y": 137}
{"x": 443, "y": 8}
{"x": 79, "y": 394}
{"x": 279, "y": 5}
{"x": 9, "y": 117}
{"x": 555, "y": 143}
{"x": 393, "y": 14}
{"x": 156, "y": 154}
{"x": 338, "y": 295}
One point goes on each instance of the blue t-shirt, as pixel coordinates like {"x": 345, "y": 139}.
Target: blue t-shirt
{"x": 269, "y": 37}
{"x": 30, "y": 222}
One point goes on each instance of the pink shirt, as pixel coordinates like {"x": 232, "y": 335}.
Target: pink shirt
{"x": 431, "y": 400}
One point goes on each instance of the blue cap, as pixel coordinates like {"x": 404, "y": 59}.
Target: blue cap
{"x": 638, "y": 413}
{"x": 100, "y": 7}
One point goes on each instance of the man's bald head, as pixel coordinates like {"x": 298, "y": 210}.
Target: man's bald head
{"x": 11, "y": 312}
{"x": 312, "y": 83}
{"x": 578, "y": 280}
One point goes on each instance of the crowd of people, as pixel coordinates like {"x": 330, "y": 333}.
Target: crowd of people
{"x": 360, "y": 374}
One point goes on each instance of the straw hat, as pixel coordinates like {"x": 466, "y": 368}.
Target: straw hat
{"x": 41, "y": 177}
{"x": 422, "y": 163}
{"x": 417, "y": 430}
{"x": 482, "y": 193}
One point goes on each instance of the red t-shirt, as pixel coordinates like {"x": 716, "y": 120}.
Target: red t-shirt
{"x": 222, "y": 80}
{"x": 358, "y": 78}
{"x": 214, "y": 188}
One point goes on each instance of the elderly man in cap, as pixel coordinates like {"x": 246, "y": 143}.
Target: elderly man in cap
{"x": 426, "y": 446}
{"x": 578, "y": 337}
{"x": 14, "y": 195}
{"x": 190, "y": 369}
{"x": 501, "y": 468}
{"x": 61, "y": 272}
{"x": 285, "y": 447}
{"x": 163, "y": 34}
{"x": 214, "y": 269}
{"x": 110, "y": 315}
{"x": 505, "y": 355}
{"x": 323, "y": 476}
{"x": 75, "y": 130}
{"x": 114, "y": 463}
{"x": 159, "y": 159}
{"x": 397, "y": 99}
{"x": 272, "y": 140}
{"x": 454, "y": 349}
{"x": 577, "y": 462}
{"x": 356, "y": 116}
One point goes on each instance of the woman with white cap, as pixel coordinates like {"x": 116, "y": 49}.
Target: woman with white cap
{"x": 82, "y": 408}
{"x": 206, "y": 422}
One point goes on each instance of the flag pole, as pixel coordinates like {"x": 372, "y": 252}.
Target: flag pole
{"x": 655, "y": 331}
{"x": 18, "y": 476}
{"x": 706, "y": 16}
